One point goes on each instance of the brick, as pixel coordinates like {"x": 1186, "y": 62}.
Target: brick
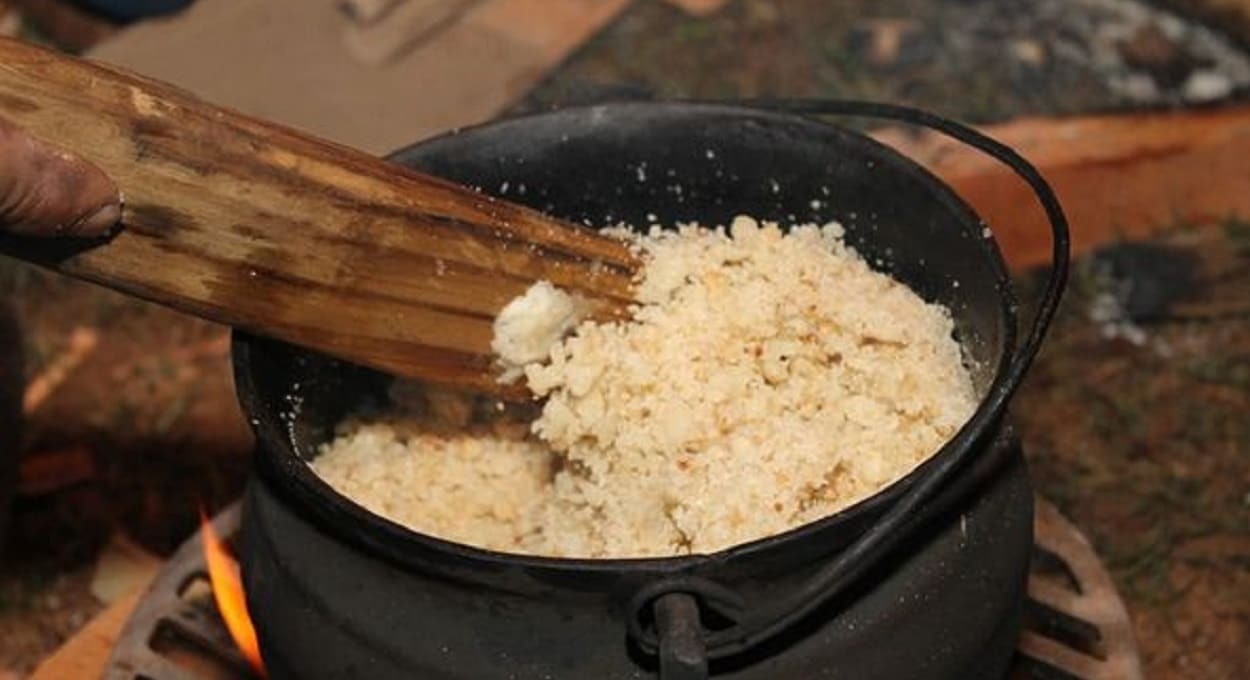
{"x": 1117, "y": 176}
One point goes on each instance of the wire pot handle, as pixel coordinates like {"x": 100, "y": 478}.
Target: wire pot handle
{"x": 752, "y": 626}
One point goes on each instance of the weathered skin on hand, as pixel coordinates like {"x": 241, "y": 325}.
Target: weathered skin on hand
{"x": 47, "y": 192}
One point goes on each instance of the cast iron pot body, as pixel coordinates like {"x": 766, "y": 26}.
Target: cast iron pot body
{"x": 337, "y": 592}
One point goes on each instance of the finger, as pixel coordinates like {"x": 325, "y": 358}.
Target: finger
{"x": 45, "y": 191}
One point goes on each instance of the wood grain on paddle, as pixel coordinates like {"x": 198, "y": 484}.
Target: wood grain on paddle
{"x": 270, "y": 230}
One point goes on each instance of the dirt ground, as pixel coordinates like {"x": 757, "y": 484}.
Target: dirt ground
{"x": 1138, "y": 430}
{"x": 1134, "y": 419}
{"x": 153, "y": 406}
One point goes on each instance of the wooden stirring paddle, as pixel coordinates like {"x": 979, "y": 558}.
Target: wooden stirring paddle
{"x": 270, "y": 230}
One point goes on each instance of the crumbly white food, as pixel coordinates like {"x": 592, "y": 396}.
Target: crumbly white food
{"x": 475, "y": 488}
{"x": 766, "y": 380}
{"x": 530, "y": 325}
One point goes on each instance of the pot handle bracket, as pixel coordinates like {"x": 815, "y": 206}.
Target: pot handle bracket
{"x": 664, "y": 617}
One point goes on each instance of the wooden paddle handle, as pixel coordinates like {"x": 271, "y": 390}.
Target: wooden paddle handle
{"x": 274, "y": 231}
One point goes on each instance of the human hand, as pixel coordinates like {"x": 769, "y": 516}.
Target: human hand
{"x": 47, "y": 192}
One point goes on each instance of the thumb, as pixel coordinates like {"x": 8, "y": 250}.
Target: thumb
{"x": 46, "y": 192}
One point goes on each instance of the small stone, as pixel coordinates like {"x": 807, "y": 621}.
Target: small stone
{"x": 884, "y": 39}
{"x": 1167, "y": 61}
{"x": 1138, "y": 87}
{"x": 1028, "y": 52}
{"x": 1172, "y": 26}
{"x": 762, "y": 13}
{"x": 1149, "y": 48}
{"x": 1207, "y": 86}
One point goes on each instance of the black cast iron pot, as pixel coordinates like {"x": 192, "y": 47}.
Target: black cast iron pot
{"x": 924, "y": 580}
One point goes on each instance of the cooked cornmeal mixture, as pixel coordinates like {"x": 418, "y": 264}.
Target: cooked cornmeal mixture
{"x": 766, "y": 379}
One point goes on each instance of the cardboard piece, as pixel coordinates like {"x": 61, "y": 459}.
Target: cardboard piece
{"x": 286, "y": 60}
{"x": 405, "y": 27}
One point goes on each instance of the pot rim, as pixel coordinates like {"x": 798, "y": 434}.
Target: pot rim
{"x": 297, "y": 482}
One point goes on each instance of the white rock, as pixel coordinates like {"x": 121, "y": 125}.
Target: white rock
{"x": 1207, "y": 86}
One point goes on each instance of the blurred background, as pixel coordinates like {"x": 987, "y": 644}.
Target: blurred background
{"x": 1136, "y": 420}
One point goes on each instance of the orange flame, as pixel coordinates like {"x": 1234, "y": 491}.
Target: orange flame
{"x": 223, "y": 572}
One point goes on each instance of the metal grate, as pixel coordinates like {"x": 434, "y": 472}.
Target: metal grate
{"x": 1076, "y": 625}
{"x": 175, "y": 633}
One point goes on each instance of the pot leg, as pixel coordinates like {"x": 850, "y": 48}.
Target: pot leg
{"x": 682, "y": 653}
